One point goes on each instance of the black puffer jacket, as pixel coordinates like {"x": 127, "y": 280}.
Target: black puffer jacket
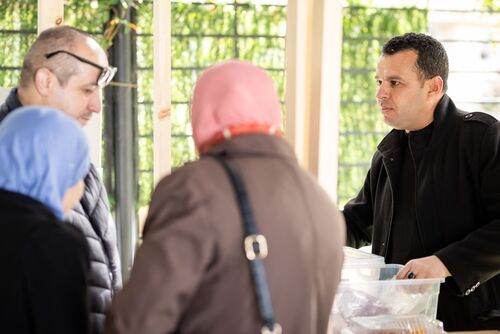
{"x": 92, "y": 217}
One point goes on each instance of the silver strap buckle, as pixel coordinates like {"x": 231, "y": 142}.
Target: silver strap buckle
{"x": 275, "y": 330}
{"x": 260, "y": 241}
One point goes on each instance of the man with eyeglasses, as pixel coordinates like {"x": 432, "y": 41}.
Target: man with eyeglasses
{"x": 66, "y": 69}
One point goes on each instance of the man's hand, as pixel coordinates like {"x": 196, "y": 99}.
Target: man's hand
{"x": 425, "y": 267}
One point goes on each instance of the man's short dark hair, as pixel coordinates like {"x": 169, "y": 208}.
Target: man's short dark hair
{"x": 432, "y": 59}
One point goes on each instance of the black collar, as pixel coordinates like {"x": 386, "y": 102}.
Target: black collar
{"x": 22, "y": 203}
{"x": 443, "y": 110}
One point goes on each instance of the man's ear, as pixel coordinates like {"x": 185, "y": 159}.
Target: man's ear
{"x": 436, "y": 86}
{"x": 44, "y": 80}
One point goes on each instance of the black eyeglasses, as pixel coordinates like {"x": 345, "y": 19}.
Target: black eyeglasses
{"x": 106, "y": 75}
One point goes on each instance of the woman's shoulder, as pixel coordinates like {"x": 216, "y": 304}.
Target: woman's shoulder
{"x": 55, "y": 238}
{"x": 188, "y": 178}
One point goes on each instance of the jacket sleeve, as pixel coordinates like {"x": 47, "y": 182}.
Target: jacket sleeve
{"x": 56, "y": 277}
{"x": 177, "y": 248}
{"x": 476, "y": 259}
{"x": 358, "y": 214}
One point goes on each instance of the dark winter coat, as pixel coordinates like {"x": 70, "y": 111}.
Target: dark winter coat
{"x": 457, "y": 207}
{"x": 92, "y": 217}
{"x": 45, "y": 264}
{"x": 191, "y": 275}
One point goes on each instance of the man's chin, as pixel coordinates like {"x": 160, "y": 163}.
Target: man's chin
{"x": 84, "y": 120}
{"x": 388, "y": 121}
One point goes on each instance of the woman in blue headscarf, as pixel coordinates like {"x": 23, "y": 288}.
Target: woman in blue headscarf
{"x": 44, "y": 262}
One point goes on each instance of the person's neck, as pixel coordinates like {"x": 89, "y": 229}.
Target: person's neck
{"x": 27, "y": 96}
{"x": 422, "y": 125}
{"x": 428, "y": 117}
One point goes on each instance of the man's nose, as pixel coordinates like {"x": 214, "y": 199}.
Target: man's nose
{"x": 382, "y": 92}
{"x": 95, "y": 103}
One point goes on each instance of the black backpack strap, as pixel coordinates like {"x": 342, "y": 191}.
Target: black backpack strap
{"x": 256, "y": 249}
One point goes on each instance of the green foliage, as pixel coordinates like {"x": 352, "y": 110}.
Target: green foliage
{"x": 261, "y": 20}
{"x": 352, "y": 173}
{"x": 10, "y": 78}
{"x": 20, "y": 18}
{"x": 202, "y": 19}
{"x": 18, "y": 15}
{"x": 200, "y": 51}
{"x": 87, "y": 15}
{"x": 366, "y": 29}
{"x": 202, "y": 33}
{"x": 99, "y": 17}
{"x": 491, "y": 4}
{"x": 209, "y": 31}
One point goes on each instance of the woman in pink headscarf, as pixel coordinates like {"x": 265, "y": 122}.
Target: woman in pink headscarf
{"x": 191, "y": 274}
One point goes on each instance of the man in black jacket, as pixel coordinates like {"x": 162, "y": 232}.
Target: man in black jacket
{"x": 431, "y": 199}
{"x": 66, "y": 69}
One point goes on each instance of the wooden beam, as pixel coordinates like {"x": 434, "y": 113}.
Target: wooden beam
{"x": 297, "y": 88}
{"x": 161, "y": 87}
{"x": 50, "y": 14}
{"x": 329, "y": 94}
{"x": 313, "y": 52}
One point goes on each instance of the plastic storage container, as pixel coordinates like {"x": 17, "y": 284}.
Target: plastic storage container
{"x": 395, "y": 324}
{"x": 355, "y": 260}
{"x": 373, "y": 290}
{"x": 354, "y": 257}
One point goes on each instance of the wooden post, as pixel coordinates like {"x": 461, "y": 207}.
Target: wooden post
{"x": 50, "y": 14}
{"x": 161, "y": 88}
{"x": 325, "y": 98}
{"x": 313, "y": 51}
{"x": 297, "y": 87}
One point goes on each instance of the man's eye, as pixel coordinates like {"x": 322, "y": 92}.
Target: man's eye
{"x": 88, "y": 90}
{"x": 379, "y": 82}
{"x": 395, "y": 83}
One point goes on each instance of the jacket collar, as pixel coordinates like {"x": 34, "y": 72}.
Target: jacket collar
{"x": 12, "y": 102}
{"x": 254, "y": 145}
{"x": 443, "y": 110}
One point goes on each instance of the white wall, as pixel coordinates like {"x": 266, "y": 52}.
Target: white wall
{"x": 3, "y": 93}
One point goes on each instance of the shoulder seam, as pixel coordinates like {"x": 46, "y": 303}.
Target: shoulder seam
{"x": 480, "y": 117}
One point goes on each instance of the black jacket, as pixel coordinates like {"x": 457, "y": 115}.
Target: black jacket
{"x": 45, "y": 262}
{"x": 93, "y": 218}
{"x": 457, "y": 207}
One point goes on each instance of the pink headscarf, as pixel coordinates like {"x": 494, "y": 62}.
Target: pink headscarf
{"x": 232, "y": 93}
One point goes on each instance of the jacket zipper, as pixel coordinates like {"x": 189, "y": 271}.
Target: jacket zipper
{"x": 414, "y": 188}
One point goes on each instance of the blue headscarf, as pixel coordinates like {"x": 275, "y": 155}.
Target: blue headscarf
{"x": 43, "y": 153}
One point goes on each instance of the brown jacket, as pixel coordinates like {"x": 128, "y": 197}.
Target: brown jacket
{"x": 191, "y": 276}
